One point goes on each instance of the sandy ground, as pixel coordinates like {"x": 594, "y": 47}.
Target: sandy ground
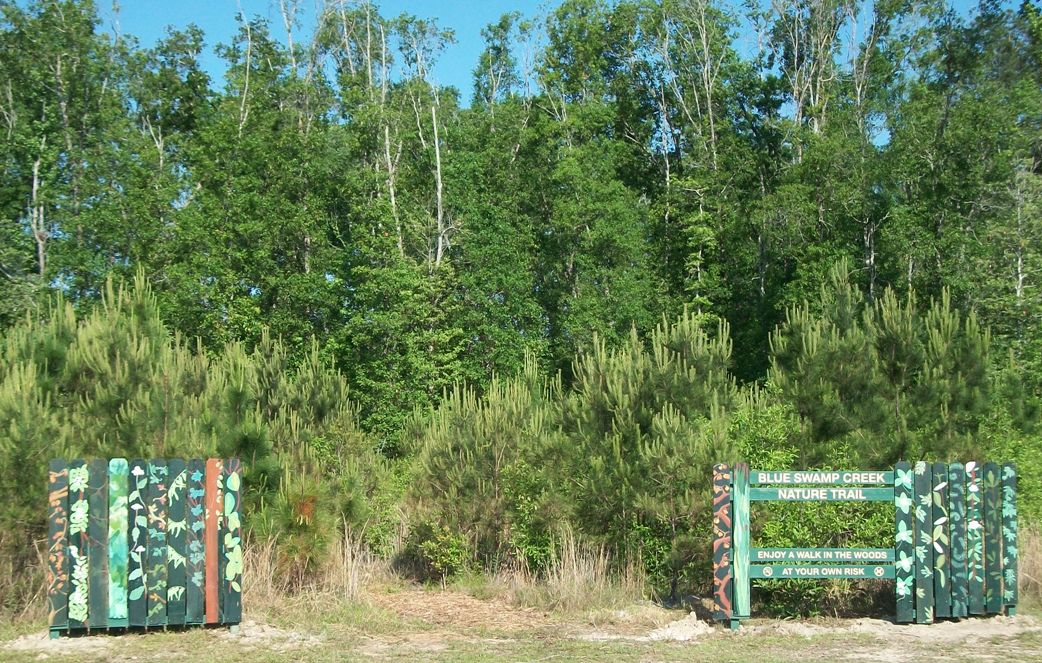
{"x": 437, "y": 624}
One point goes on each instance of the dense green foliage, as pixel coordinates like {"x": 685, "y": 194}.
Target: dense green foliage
{"x": 663, "y": 233}
{"x": 116, "y": 382}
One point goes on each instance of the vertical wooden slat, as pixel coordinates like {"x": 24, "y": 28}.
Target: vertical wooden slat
{"x": 213, "y": 510}
{"x": 98, "y": 535}
{"x": 992, "y": 539}
{"x": 176, "y": 526}
{"x": 957, "y": 531}
{"x": 79, "y": 544}
{"x": 137, "y": 564}
{"x": 923, "y": 543}
{"x": 195, "y": 564}
{"x": 231, "y": 545}
{"x": 1009, "y": 537}
{"x": 722, "y": 580}
{"x": 942, "y": 589}
{"x": 974, "y": 539}
{"x": 742, "y": 588}
{"x": 904, "y": 544}
{"x": 57, "y": 544}
{"x": 119, "y": 538}
{"x": 157, "y": 542}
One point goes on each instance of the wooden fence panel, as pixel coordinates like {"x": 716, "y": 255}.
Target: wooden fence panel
{"x": 742, "y": 588}
{"x": 992, "y": 539}
{"x": 97, "y": 532}
{"x": 923, "y": 543}
{"x": 974, "y": 539}
{"x": 214, "y": 506}
{"x": 79, "y": 544}
{"x": 195, "y": 564}
{"x": 957, "y": 531}
{"x": 722, "y": 580}
{"x": 904, "y": 546}
{"x": 155, "y": 566}
{"x": 118, "y": 540}
{"x": 1009, "y": 537}
{"x": 176, "y": 524}
{"x": 231, "y": 548}
{"x": 137, "y": 562}
{"x": 942, "y": 589}
{"x": 129, "y": 543}
{"x": 57, "y": 544}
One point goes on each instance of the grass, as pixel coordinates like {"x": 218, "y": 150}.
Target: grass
{"x": 365, "y": 628}
{"x": 358, "y": 609}
{"x": 355, "y": 640}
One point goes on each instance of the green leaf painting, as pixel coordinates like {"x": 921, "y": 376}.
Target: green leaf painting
{"x": 80, "y": 584}
{"x": 118, "y": 538}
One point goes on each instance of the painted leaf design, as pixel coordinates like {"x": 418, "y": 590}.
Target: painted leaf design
{"x": 904, "y": 478}
{"x": 903, "y": 502}
{"x": 904, "y": 533}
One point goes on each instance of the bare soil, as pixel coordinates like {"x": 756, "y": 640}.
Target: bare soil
{"x": 419, "y": 624}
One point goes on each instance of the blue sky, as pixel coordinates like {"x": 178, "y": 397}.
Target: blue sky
{"x": 148, "y": 19}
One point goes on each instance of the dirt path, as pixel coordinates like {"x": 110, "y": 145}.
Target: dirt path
{"x": 457, "y": 610}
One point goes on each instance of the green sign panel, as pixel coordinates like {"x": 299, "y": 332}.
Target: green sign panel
{"x": 793, "y": 572}
{"x": 823, "y": 478}
{"x": 857, "y": 555}
{"x": 822, "y": 494}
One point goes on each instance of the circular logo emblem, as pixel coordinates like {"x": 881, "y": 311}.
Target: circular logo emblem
{"x": 879, "y": 571}
{"x": 768, "y": 572}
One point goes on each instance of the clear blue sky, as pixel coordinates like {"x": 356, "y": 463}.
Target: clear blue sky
{"x": 148, "y": 20}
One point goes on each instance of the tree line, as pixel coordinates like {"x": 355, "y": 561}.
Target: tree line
{"x": 808, "y": 232}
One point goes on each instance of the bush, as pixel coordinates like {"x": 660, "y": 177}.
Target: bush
{"x": 115, "y": 382}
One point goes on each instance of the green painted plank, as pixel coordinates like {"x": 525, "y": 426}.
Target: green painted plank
{"x": 1009, "y": 534}
{"x": 119, "y": 475}
{"x": 822, "y": 477}
{"x": 98, "y": 533}
{"x": 137, "y": 604}
{"x": 742, "y": 586}
{"x": 196, "y": 557}
{"x": 231, "y": 548}
{"x": 974, "y": 538}
{"x": 856, "y": 555}
{"x": 176, "y": 526}
{"x": 992, "y": 539}
{"x": 797, "y": 494}
{"x": 79, "y": 543}
{"x": 923, "y": 483}
{"x": 818, "y": 572}
{"x": 58, "y": 580}
{"x": 904, "y": 542}
{"x": 942, "y": 588}
{"x": 156, "y": 576}
{"x": 957, "y": 532}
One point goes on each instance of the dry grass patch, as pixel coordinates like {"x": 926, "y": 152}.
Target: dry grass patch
{"x": 580, "y": 578}
{"x": 1030, "y": 567}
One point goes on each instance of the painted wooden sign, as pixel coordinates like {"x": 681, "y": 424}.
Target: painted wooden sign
{"x": 829, "y": 478}
{"x": 126, "y": 543}
{"x": 782, "y": 571}
{"x": 955, "y": 539}
{"x": 859, "y": 555}
{"x": 821, "y": 494}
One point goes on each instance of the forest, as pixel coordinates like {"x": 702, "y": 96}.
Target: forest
{"x": 461, "y": 328}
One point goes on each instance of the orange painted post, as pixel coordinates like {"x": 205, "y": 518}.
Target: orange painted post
{"x": 214, "y": 508}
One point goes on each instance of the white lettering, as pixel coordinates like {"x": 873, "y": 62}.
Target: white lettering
{"x": 847, "y": 493}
